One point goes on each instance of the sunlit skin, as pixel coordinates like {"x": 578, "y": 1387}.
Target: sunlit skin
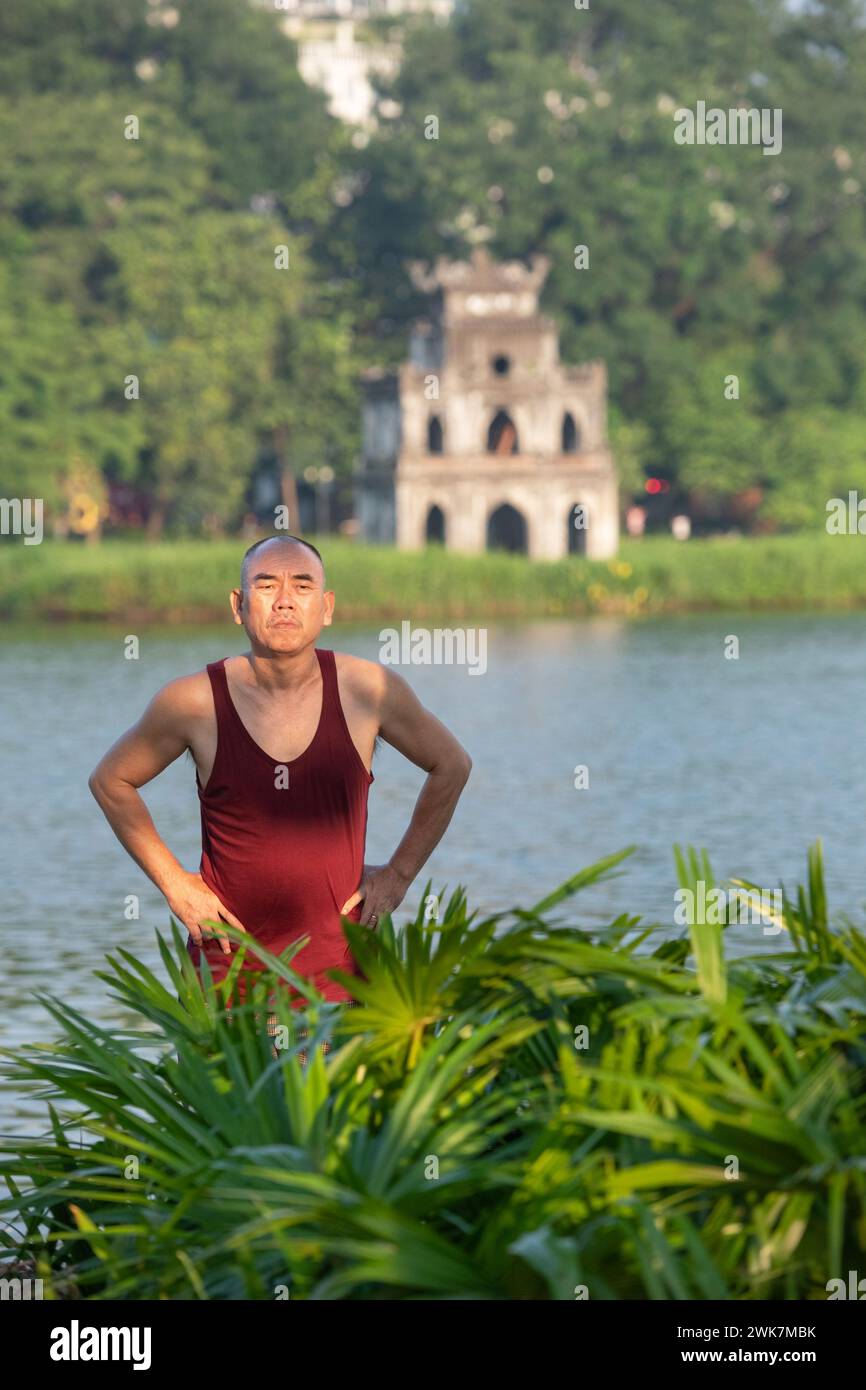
{"x": 284, "y": 604}
{"x": 276, "y": 686}
{"x": 283, "y": 607}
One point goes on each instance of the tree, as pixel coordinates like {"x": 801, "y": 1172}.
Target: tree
{"x": 158, "y": 158}
{"x": 555, "y": 128}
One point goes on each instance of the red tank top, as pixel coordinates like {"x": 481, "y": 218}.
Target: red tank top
{"x": 282, "y": 858}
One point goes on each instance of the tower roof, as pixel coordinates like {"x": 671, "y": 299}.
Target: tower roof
{"x": 461, "y": 281}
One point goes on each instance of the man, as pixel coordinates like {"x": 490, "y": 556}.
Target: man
{"x": 282, "y": 738}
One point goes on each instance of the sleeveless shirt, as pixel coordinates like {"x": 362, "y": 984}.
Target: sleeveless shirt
{"x": 283, "y": 842}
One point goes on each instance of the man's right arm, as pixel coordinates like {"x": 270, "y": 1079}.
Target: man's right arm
{"x": 161, "y": 735}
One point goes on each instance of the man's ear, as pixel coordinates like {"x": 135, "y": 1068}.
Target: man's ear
{"x": 236, "y": 599}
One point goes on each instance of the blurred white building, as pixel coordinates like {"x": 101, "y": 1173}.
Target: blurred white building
{"x": 342, "y": 44}
{"x": 359, "y": 9}
{"x": 511, "y": 450}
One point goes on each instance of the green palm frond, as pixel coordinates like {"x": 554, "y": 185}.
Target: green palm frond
{"x": 696, "y": 878}
{"x": 518, "y": 1108}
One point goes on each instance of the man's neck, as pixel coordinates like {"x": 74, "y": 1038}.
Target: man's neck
{"x": 275, "y": 672}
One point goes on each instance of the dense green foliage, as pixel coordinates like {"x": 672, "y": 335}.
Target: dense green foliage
{"x": 519, "y": 1108}
{"x": 154, "y": 256}
{"x": 186, "y": 580}
{"x": 705, "y": 261}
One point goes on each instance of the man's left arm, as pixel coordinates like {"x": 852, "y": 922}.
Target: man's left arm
{"x": 425, "y": 741}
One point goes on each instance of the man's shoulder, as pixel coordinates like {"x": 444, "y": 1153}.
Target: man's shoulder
{"x": 185, "y": 696}
{"x": 364, "y": 679}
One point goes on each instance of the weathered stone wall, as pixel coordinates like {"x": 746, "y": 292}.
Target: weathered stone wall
{"x": 498, "y": 354}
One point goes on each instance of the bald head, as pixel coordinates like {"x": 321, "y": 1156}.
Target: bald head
{"x": 257, "y": 555}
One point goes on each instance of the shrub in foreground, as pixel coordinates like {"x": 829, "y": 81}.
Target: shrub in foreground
{"x": 520, "y": 1108}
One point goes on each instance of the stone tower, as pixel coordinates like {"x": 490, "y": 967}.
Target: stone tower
{"x": 483, "y": 439}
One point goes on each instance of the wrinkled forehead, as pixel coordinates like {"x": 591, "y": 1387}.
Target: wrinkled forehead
{"x": 277, "y": 558}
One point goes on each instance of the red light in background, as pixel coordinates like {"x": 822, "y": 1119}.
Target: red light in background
{"x": 654, "y": 485}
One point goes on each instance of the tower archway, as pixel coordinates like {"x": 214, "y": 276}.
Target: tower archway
{"x": 502, "y": 434}
{"x": 507, "y": 530}
{"x": 570, "y": 434}
{"x": 434, "y": 530}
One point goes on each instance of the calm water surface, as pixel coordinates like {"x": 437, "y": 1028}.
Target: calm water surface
{"x": 751, "y": 759}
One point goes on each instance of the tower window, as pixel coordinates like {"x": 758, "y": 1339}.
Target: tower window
{"x": 506, "y": 530}
{"x": 501, "y": 365}
{"x": 435, "y": 528}
{"x": 434, "y": 435}
{"x": 570, "y": 434}
{"x": 502, "y": 435}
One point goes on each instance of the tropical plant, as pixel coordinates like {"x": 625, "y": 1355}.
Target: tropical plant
{"x": 518, "y": 1108}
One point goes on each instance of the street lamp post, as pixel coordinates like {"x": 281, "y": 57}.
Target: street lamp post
{"x": 321, "y": 478}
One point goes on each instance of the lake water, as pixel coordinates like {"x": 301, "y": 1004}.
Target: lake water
{"x": 751, "y": 759}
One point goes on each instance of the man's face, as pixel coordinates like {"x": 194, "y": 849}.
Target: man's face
{"x": 283, "y": 605}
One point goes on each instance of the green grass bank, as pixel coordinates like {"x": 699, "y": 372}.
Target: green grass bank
{"x": 189, "y": 580}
